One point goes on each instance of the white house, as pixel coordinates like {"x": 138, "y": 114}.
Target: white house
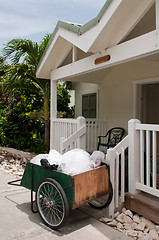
{"x": 113, "y": 64}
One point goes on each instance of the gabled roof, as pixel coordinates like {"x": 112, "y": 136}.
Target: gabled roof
{"x": 115, "y": 20}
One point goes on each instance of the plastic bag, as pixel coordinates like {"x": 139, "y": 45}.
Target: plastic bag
{"x": 54, "y": 157}
{"x": 74, "y": 161}
{"x": 96, "y": 159}
{"x": 36, "y": 159}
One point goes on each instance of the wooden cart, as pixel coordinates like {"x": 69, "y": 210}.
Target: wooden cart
{"x": 56, "y": 192}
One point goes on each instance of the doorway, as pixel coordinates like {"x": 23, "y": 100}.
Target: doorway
{"x": 150, "y": 103}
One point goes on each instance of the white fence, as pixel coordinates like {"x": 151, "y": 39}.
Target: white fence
{"x": 144, "y": 168}
{"x": 142, "y": 160}
{"x": 63, "y": 129}
{"x": 77, "y": 139}
{"x": 94, "y": 128}
{"x": 68, "y": 134}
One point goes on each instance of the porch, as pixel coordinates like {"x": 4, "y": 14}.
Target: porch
{"x": 134, "y": 162}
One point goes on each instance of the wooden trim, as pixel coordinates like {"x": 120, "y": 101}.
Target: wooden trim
{"x": 144, "y": 205}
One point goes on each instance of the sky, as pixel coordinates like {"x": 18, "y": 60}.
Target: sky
{"x": 32, "y": 19}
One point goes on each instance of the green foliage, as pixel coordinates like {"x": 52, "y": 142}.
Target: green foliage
{"x": 17, "y": 127}
{"x": 63, "y": 100}
{"x": 24, "y": 99}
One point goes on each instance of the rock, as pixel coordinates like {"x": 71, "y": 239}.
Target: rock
{"x": 120, "y": 226}
{"x": 140, "y": 226}
{"x": 3, "y": 163}
{"x": 127, "y": 219}
{"x": 124, "y": 210}
{"x": 153, "y": 234}
{"x": 116, "y": 214}
{"x": 157, "y": 227}
{"x": 148, "y": 223}
{"x": 131, "y": 233}
{"x": 142, "y": 236}
{"x": 121, "y": 230}
{"x": 128, "y": 226}
{"x": 112, "y": 223}
{"x": 120, "y": 218}
{"x": 2, "y": 159}
{"x": 106, "y": 220}
{"x": 146, "y": 230}
{"x": 136, "y": 219}
{"x": 129, "y": 213}
{"x": 14, "y": 169}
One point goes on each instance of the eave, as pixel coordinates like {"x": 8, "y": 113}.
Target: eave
{"x": 103, "y": 32}
{"x": 139, "y": 47}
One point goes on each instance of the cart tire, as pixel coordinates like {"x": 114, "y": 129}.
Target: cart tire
{"x": 104, "y": 201}
{"x": 52, "y": 203}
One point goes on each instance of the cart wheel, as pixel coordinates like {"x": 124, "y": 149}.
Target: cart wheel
{"x": 103, "y": 201}
{"x": 52, "y": 203}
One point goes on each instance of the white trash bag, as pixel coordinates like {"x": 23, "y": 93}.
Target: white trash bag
{"x": 75, "y": 161}
{"x": 36, "y": 159}
{"x": 97, "y": 158}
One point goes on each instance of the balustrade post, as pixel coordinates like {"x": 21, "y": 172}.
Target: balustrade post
{"x": 134, "y": 155}
{"x": 81, "y": 143}
{"x": 61, "y": 145}
{"x": 53, "y": 113}
{"x": 110, "y": 159}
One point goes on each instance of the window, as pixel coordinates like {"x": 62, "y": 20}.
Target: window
{"x": 89, "y": 105}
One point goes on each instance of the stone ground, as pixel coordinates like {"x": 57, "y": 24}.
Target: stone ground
{"x": 13, "y": 162}
{"x": 133, "y": 225}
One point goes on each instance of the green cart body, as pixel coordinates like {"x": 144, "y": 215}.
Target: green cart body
{"x": 74, "y": 191}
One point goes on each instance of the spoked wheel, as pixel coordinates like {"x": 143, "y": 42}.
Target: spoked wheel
{"x": 103, "y": 201}
{"x": 52, "y": 203}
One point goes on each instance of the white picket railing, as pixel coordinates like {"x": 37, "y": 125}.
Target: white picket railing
{"x": 117, "y": 158}
{"x": 64, "y": 128}
{"x": 147, "y": 176}
{"x": 143, "y": 162}
{"x": 94, "y": 128}
{"x": 76, "y": 140}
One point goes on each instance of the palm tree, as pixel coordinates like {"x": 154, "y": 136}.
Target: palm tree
{"x": 24, "y": 56}
{"x": 3, "y": 66}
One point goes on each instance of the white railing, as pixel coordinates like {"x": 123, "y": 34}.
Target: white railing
{"x": 117, "y": 158}
{"x": 76, "y": 140}
{"x": 94, "y": 128}
{"x": 145, "y": 169}
{"x": 66, "y": 130}
{"x": 143, "y": 161}
{"x": 62, "y": 128}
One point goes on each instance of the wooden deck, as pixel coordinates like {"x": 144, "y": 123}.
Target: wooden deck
{"x": 143, "y": 204}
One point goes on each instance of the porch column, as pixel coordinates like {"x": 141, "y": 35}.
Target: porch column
{"x": 157, "y": 13}
{"x": 74, "y": 54}
{"x": 134, "y": 155}
{"x": 53, "y": 110}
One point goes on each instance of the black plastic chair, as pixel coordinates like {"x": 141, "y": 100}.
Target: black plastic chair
{"x": 114, "y": 136}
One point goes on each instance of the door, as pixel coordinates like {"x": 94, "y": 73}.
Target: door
{"x": 89, "y": 105}
{"x": 150, "y": 104}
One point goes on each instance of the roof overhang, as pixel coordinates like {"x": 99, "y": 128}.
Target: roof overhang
{"x": 142, "y": 46}
{"x": 103, "y": 32}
